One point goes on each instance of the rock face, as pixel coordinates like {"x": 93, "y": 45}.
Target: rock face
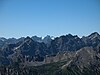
{"x": 84, "y": 57}
{"x": 35, "y": 51}
{"x": 66, "y": 43}
{"x": 32, "y": 48}
{"x": 4, "y": 42}
{"x": 37, "y": 39}
{"x": 47, "y": 40}
{"x": 92, "y": 40}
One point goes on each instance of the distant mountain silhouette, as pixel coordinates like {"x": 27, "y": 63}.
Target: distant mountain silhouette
{"x": 67, "y": 51}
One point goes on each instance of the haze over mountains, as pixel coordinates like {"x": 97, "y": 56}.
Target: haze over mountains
{"x": 64, "y": 55}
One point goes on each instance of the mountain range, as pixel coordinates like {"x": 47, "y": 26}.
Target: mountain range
{"x": 64, "y": 55}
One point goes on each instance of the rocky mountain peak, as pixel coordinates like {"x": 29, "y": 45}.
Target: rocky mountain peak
{"x": 94, "y": 35}
{"x": 2, "y": 39}
{"x": 47, "y": 40}
{"x": 28, "y": 39}
{"x": 36, "y": 38}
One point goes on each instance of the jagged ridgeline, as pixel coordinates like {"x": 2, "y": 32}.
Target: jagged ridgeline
{"x": 64, "y": 55}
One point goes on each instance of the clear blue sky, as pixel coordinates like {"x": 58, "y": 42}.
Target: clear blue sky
{"x": 48, "y": 17}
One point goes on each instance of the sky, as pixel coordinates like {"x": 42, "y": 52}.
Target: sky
{"x": 20, "y": 18}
